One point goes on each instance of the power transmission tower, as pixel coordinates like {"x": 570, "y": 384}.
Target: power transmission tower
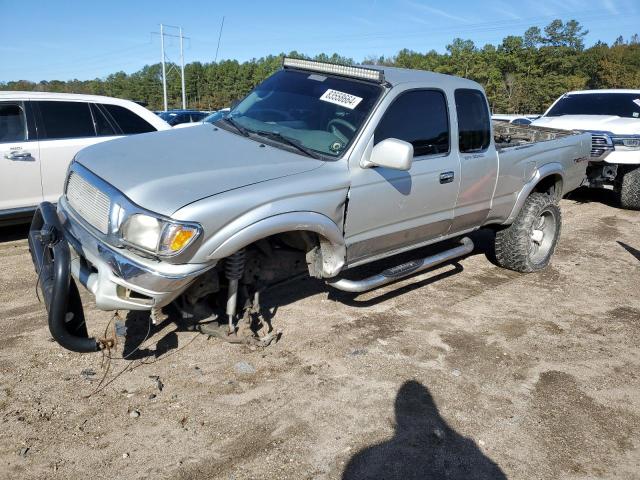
{"x": 184, "y": 96}
{"x": 164, "y": 70}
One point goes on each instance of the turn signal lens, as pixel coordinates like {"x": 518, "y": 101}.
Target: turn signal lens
{"x": 176, "y": 238}
{"x": 181, "y": 239}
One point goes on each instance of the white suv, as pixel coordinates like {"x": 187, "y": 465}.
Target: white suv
{"x": 613, "y": 118}
{"x": 40, "y": 133}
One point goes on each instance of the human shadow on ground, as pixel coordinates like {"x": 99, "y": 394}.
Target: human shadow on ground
{"x": 423, "y": 447}
{"x": 633, "y": 251}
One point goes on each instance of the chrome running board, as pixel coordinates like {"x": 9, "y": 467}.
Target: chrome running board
{"x": 403, "y": 270}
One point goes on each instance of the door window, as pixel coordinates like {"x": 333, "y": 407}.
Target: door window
{"x": 65, "y": 120}
{"x": 128, "y": 121}
{"x": 419, "y": 117}
{"x": 13, "y": 125}
{"x": 474, "y": 124}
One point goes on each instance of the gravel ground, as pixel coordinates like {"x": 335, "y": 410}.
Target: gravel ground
{"x": 466, "y": 371}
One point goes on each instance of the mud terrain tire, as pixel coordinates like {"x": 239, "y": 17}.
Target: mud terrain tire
{"x": 527, "y": 245}
{"x": 630, "y": 188}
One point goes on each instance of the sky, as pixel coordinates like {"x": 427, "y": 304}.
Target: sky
{"x": 63, "y": 40}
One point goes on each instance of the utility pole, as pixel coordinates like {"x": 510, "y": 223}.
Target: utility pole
{"x": 184, "y": 96}
{"x": 164, "y": 70}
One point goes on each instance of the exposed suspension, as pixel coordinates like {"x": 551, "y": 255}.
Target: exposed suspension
{"x": 233, "y": 270}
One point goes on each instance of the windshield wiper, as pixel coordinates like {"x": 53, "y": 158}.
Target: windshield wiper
{"x": 289, "y": 141}
{"x": 236, "y": 125}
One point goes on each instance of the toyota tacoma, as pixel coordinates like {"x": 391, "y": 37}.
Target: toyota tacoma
{"x": 321, "y": 168}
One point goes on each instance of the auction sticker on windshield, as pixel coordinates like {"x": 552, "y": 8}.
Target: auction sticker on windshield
{"x": 341, "y": 98}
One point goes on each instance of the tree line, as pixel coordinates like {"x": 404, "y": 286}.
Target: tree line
{"x": 523, "y": 74}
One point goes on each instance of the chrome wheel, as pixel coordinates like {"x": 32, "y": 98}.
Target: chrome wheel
{"x": 542, "y": 236}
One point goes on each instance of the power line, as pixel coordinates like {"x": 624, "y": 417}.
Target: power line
{"x": 219, "y": 37}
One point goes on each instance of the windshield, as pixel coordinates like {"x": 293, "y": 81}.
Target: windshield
{"x": 320, "y": 113}
{"x": 625, "y": 105}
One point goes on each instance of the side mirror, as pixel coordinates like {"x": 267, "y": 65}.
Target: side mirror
{"x": 390, "y": 153}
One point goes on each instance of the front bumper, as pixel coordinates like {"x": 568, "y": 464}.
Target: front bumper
{"x": 623, "y": 157}
{"x": 62, "y": 247}
{"x": 117, "y": 278}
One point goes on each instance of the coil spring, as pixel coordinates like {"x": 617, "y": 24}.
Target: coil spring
{"x": 234, "y": 265}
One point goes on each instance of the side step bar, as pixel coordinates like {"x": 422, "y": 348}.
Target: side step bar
{"x": 395, "y": 273}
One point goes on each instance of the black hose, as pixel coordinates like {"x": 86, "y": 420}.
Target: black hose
{"x": 66, "y": 316}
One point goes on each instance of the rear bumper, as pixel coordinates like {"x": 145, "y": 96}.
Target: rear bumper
{"x": 62, "y": 249}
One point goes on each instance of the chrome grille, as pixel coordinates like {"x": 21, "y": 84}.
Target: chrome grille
{"x": 89, "y": 202}
{"x": 601, "y": 145}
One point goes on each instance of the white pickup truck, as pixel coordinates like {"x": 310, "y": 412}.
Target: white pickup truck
{"x": 613, "y": 118}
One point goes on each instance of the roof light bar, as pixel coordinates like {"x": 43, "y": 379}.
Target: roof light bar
{"x": 331, "y": 68}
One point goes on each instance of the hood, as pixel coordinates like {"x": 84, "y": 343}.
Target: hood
{"x": 602, "y": 123}
{"x": 164, "y": 171}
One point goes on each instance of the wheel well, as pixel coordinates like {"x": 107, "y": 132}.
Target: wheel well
{"x": 317, "y": 251}
{"x": 551, "y": 185}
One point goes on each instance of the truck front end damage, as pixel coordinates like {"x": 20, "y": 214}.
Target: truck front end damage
{"x": 79, "y": 243}
{"x": 65, "y": 252}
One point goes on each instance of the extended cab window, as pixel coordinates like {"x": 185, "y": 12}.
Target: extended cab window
{"x": 419, "y": 117}
{"x": 65, "y": 120}
{"x": 128, "y": 121}
{"x": 474, "y": 124}
{"x": 13, "y": 125}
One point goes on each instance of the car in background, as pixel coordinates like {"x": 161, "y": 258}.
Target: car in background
{"x": 211, "y": 118}
{"x": 613, "y": 118}
{"x": 179, "y": 117}
{"x": 514, "y": 119}
{"x": 40, "y": 133}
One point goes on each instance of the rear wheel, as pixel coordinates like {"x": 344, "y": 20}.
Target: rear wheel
{"x": 629, "y": 188}
{"x": 527, "y": 245}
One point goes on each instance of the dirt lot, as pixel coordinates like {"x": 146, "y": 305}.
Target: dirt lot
{"x": 467, "y": 371}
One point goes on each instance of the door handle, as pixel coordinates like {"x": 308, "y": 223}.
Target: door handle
{"x": 446, "y": 177}
{"x": 19, "y": 156}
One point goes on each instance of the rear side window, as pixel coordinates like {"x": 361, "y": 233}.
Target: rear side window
{"x": 419, "y": 117}
{"x": 13, "y": 125}
{"x": 128, "y": 121}
{"x": 103, "y": 126}
{"x": 474, "y": 125}
{"x": 65, "y": 120}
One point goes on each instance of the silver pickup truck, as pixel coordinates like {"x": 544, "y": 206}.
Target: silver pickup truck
{"x": 320, "y": 168}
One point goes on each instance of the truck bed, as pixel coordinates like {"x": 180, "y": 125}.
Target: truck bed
{"x": 507, "y": 135}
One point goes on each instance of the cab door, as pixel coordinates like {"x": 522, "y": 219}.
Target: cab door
{"x": 478, "y": 158}
{"x": 391, "y": 210}
{"x": 20, "y": 184}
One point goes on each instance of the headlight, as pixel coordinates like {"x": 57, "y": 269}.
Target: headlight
{"x": 158, "y": 236}
{"x": 631, "y": 142}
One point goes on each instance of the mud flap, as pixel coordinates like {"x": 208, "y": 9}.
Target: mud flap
{"x": 52, "y": 261}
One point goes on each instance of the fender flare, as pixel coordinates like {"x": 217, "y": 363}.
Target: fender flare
{"x": 540, "y": 174}
{"x": 331, "y": 238}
